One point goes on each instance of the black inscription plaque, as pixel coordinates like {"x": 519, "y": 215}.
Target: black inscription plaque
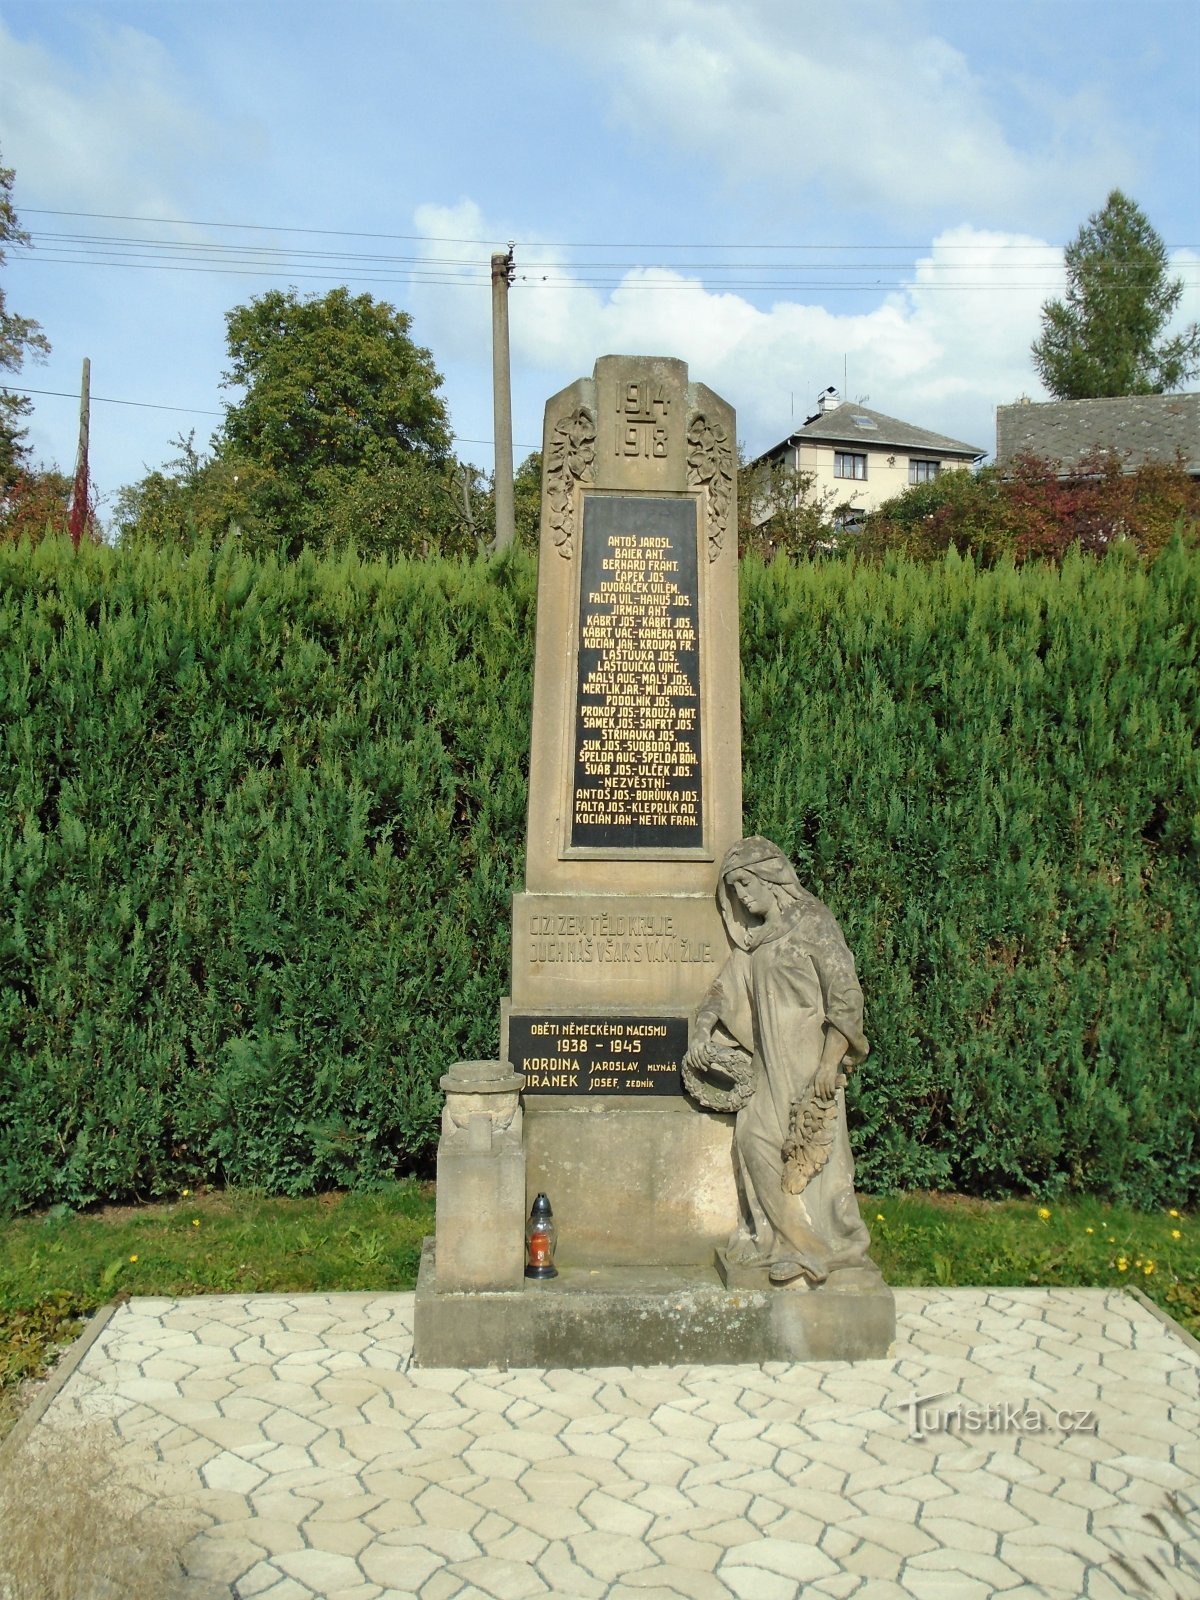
{"x": 636, "y": 782}
{"x": 598, "y": 1055}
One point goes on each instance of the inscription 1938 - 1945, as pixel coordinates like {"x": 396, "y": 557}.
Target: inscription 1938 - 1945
{"x": 637, "y": 775}
{"x": 598, "y": 1055}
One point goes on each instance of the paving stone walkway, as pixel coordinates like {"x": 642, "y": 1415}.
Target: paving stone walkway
{"x": 1055, "y": 1452}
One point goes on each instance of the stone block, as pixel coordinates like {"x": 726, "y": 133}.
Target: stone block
{"x": 582, "y": 949}
{"x": 636, "y": 432}
{"x": 633, "y": 1317}
{"x": 633, "y": 1182}
{"x": 481, "y": 1179}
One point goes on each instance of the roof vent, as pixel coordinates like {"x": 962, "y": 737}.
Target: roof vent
{"x": 828, "y": 400}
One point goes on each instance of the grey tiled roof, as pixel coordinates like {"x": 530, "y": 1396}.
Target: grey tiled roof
{"x": 1140, "y": 427}
{"x": 838, "y": 427}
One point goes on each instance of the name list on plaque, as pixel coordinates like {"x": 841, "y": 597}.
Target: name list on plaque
{"x": 598, "y": 1055}
{"x": 637, "y": 774}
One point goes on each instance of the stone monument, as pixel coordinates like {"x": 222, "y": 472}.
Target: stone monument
{"x": 649, "y": 962}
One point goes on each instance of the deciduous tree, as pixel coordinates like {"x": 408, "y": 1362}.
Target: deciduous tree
{"x": 340, "y": 437}
{"x": 1106, "y": 337}
{"x": 332, "y": 384}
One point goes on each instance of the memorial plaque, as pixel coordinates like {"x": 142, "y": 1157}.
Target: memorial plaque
{"x": 598, "y": 1055}
{"x": 638, "y": 713}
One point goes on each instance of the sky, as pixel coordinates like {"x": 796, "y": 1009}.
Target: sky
{"x": 786, "y": 195}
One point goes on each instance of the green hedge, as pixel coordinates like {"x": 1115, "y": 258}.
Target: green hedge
{"x": 262, "y": 823}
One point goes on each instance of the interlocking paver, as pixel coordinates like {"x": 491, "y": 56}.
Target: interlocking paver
{"x": 752, "y": 1583}
{"x": 322, "y": 1464}
{"x": 501, "y": 1579}
{"x": 403, "y": 1568}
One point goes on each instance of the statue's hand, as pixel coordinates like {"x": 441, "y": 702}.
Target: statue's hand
{"x": 700, "y": 1053}
{"x": 826, "y": 1082}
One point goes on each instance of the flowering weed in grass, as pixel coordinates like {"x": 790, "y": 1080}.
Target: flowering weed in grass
{"x": 951, "y": 1240}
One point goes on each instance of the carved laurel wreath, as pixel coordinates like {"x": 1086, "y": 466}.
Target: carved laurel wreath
{"x": 710, "y": 465}
{"x": 737, "y": 1067}
{"x": 572, "y": 460}
{"x": 811, "y": 1131}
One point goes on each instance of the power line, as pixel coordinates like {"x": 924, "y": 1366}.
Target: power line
{"x": 445, "y": 239}
{"x": 793, "y": 276}
{"x": 528, "y": 244}
{"x": 116, "y": 244}
{"x": 531, "y": 280}
{"x": 197, "y": 411}
{"x": 108, "y": 400}
{"x": 448, "y": 272}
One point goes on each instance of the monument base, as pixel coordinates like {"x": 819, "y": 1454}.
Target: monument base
{"x": 644, "y": 1316}
{"x": 844, "y": 1280}
{"x": 630, "y": 1176}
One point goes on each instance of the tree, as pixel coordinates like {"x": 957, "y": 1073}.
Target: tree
{"x": 1104, "y": 339}
{"x": 341, "y": 409}
{"x": 193, "y": 497}
{"x": 333, "y": 384}
{"x": 527, "y": 500}
{"x": 782, "y": 512}
{"x": 19, "y": 336}
{"x": 340, "y": 438}
{"x": 37, "y": 504}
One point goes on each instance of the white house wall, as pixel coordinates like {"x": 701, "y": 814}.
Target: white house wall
{"x": 887, "y": 472}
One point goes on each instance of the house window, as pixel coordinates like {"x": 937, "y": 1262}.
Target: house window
{"x": 849, "y": 464}
{"x": 923, "y": 471}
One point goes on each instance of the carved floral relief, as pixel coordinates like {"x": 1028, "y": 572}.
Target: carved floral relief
{"x": 572, "y": 460}
{"x": 710, "y": 466}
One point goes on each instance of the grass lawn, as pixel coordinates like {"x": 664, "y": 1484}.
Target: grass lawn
{"x": 57, "y": 1267}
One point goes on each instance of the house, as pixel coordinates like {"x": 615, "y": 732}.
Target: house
{"x": 863, "y": 456}
{"x": 1139, "y": 427}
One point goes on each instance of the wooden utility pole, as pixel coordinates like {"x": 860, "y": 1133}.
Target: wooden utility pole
{"x": 79, "y": 495}
{"x": 502, "y": 276}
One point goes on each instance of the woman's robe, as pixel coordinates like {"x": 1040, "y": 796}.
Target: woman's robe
{"x": 776, "y": 998}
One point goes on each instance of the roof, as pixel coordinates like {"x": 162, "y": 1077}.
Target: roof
{"x": 1141, "y": 427}
{"x": 838, "y": 426}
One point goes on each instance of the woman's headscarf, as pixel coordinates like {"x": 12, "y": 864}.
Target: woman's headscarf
{"x": 766, "y": 861}
{"x": 839, "y": 981}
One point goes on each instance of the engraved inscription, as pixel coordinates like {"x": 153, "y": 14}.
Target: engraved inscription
{"x": 710, "y": 466}
{"x": 598, "y": 1055}
{"x": 637, "y": 775}
{"x": 642, "y": 412}
{"x": 571, "y": 460}
{"x": 611, "y": 938}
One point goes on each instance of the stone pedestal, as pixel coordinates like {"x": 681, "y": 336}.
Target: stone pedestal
{"x": 644, "y": 1316}
{"x": 481, "y": 1179}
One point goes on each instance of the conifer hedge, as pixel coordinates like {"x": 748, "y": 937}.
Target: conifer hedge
{"x": 262, "y": 823}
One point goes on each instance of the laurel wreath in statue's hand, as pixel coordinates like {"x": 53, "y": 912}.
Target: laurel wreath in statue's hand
{"x": 707, "y": 1068}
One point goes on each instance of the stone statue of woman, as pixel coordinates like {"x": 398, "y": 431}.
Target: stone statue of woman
{"x": 783, "y": 1022}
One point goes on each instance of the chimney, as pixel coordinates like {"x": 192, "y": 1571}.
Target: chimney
{"x": 828, "y": 400}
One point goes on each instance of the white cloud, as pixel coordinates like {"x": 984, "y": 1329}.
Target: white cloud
{"x": 1185, "y": 264}
{"x": 124, "y": 134}
{"x": 940, "y": 351}
{"x": 867, "y": 108}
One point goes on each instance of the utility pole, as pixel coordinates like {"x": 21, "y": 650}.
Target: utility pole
{"x": 79, "y": 495}
{"x": 502, "y": 276}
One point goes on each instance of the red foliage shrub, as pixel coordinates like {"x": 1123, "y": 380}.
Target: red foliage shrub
{"x": 37, "y": 504}
{"x": 1033, "y": 511}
